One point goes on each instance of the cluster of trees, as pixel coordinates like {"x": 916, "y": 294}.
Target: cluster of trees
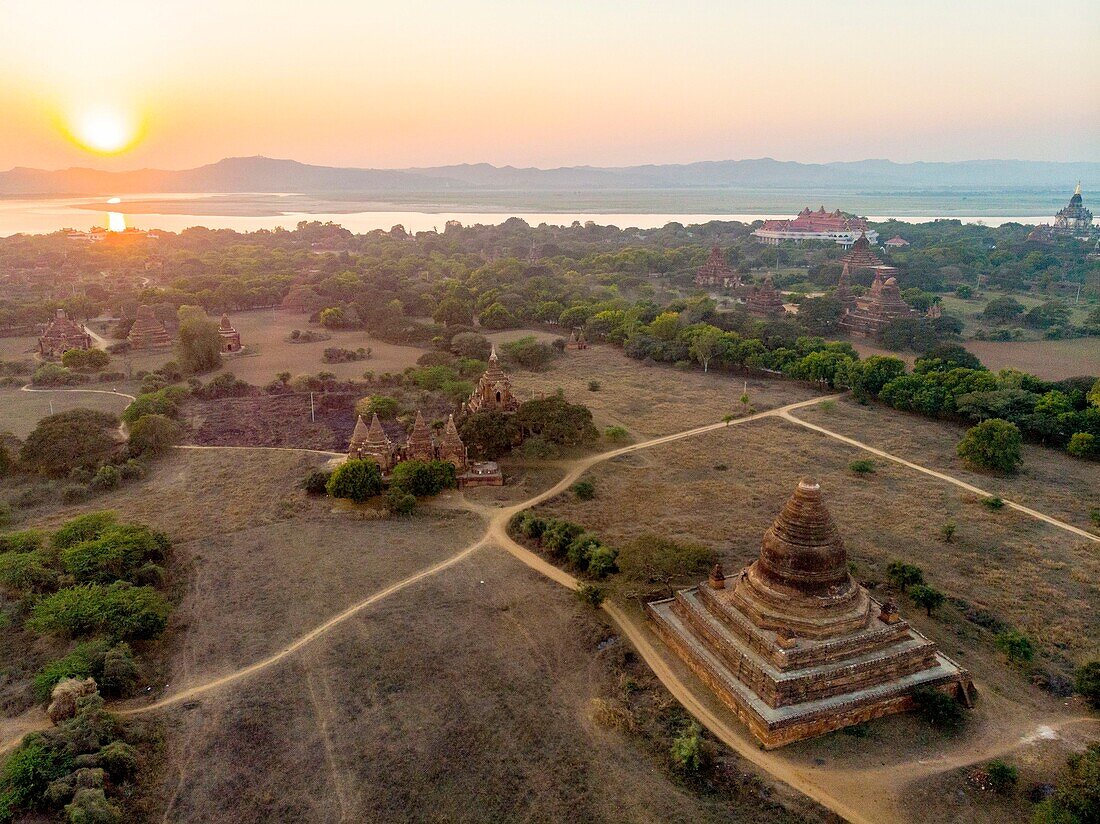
{"x": 359, "y": 480}
{"x": 550, "y": 422}
{"x": 566, "y": 541}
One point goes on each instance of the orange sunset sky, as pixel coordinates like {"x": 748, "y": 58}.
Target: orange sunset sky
{"x": 178, "y": 84}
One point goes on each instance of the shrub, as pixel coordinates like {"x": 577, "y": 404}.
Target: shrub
{"x": 584, "y": 490}
{"x": 316, "y": 482}
{"x": 558, "y": 536}
{"x": 947, "y": 531}
{"x": 86, "y": 527}
{"x": 862, "y": 466}
{"x": 28, "y": 772}
{"x": 688, "y": 753}
{"x": 593, "y": 386}
{"x": 1002, "y": 776}
{"x": 1016, "y": 646}
{"x": 993, "y": 503}
{"x": 117, "y": 554}
{"x": 528, "y": 353}
{"x": 119, "y": 759}
{"x": 399, "y": 502}
{"x": 1083, "y": 445}
{"x": 529, "y": 525}
{"x": 84, "y": 661}
{"x": 28, "y": 540}
{"x": 927, "y": 597}
{"x": 381, "y": 405}
{"x": 62, "y": 442}
{"x": 992, "y": 444}
{"x": 27, "y": 572}
{"x": 591, "y": 594}
{"x": 423, "y": 478}
{"x": 90, "y": 806}
{"x": 616, "y": 434}
{"x": 356, "y": 480}
{"x": 937, "y": 708}
{"x": 904, "y": 575}
{"x": 153, "y": 435}
{"x": 650, "y": 559}
{"x": 601, "y": 561}
{"x": 471, "y": 345}
{"x": 1087, "y": 682}
{"x": 106, "y": 477}
{"x": 119, "y": 610}
{"x": 164, "y": 402}
{"x": 1076, "y": 799}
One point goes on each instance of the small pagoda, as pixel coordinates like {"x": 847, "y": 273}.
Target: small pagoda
{"x": 453, "y": 449}
{"x": 62, "y": 334}
{"x": 231, "y": 338}
{"x": 420, "y": 446}
{"x": 148, "y": 332}
{"x": 860, "y": 255}
{"x": 716, "y": 272}
{"x": 844, "y": 289}
{"x": 874, "y": 311}
{"x": 577, "y": 340}
{"x": 372, "y": 443}
{"x": 493, "y": 392}
{"x": 765, "y": 301}
{"x": 793, "y": 645}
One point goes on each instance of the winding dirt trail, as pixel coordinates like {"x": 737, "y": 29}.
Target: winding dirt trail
{"x": 29, "y": 388}
{"x": 851, "y": 793}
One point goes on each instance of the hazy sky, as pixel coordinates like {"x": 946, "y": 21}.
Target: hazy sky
{"x": 529, "y": 82}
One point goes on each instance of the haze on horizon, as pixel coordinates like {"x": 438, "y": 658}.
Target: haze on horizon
{"x": 546, "y": 84}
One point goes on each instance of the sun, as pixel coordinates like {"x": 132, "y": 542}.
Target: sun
{"x": 104, "y": 130}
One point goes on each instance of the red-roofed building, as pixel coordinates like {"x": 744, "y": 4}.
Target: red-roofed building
{"x": 834, "y": 227}
{"x": 896, "y": 242}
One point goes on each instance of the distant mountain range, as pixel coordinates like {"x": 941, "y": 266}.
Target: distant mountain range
{"x": 263, "y": 174}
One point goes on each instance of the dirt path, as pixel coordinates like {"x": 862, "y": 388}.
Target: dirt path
{"x": 848, "y": 792}
{"x": 29, "y": 388}
{"x": 786, "y": 415}
{"x": 268, "y": 449}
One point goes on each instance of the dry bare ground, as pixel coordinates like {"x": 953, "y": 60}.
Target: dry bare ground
{"x": 1049, "y": 480}
{"x": 20, "y": 411}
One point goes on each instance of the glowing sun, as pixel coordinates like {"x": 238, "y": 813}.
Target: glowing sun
{"x": 106, "y": 131}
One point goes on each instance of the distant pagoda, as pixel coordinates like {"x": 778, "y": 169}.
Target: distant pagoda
{"x": 577, "y": 340}
{"x": 883, "y": 304}
{"x": 231, "y": 338}
{"x": 372, "y": 443}
{"x": 716, "y": 272}
{"x": 793, "y": 645}
{"x": 1074, "y": 220}
{"x": 765, "y": 301}
{"x": 844, "y": 289}
{"x": 493, "y": 392}
{"x": 860, "y": 255}
{"x": 453, "y": 449}
{"x": 148, "y": 332}
{"x": 61, "y": 334}
{"x": 420, "y": 446}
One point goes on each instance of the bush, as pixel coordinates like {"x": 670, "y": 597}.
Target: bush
{"x": 993, "y": 503}
{"x": 383, "y": 406}
{"x": 118, "y": 553}
{"x": 584, "y": 490}
{"x": 27, "y": 774}
{"x": 106, "y": 477}
{"x": 937, "y": 708}
{"x": 27, "y": 572}
{"x": 650, "y": 559}
{"x": 529, "y": 525}
{"x": 558, "y": 536}
{"x": 616, "y": 434}
{"x": 927, "y": 597}
{"x": 28, "y": 540}
{"x": 399, "y": 502}
{"x": 67, "y": 440}
{"x": 591, "y": 594}
{"x": 1083, "y": 445}
{"x": 164, "y": 402}
{"x": 471, "y": 345}
{"x": 153, "y": 435}
{"x": 316, "y": 482}
{"x": 992, "y": 444}
{"x": 119, "y": 610}
{"x": 689, "y": 754}
{"x": 1076, "y": 799}
{"x": 528, "y": 353}
{"x": 1002, "y": 776}
{"x": 948, "y": 530}
{"x": 1016, "y": 646}
{"x": 355, "y": 480}
{"x": 904, "y": 575}
{"x": 601, "y": 561}
{"x": 593, "y": 386}
{"x": 862, "y": 466}
{"x": 423, "y": 478}
{"x": 1087, "y": 682}
{"x": 112, "y": 666}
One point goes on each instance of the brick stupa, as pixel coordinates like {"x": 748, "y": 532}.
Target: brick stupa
{"x": 716, "y": 272}
{"x": 766, "y": 302}
{"x": 148, "y": 332}
{"x": 873, "y": 312}
{"x": 372, "y": 443}
{"x": 231, "y": 338}
{"x": 793, "y": 645}
{"x": 420, "y": 446}
{"x": 860, "y": 255}
{"x": 493, "y": 392}
{"x": 61, "y": 335}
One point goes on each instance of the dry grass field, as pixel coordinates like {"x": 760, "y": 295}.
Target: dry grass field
{"x": 1052, "y": 360}
{"x": 462, "y": 698}
{"x": 1025, "y": 573}
{"x": 18, "y": 348}
{"x": 265, "y": 333}
{"x": 20, "y": 411}
{"x": 1049, "y": 480}
{"x": 654, "y": 400}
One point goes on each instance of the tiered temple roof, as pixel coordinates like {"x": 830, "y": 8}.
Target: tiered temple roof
{"x": 765, "y": 301}
{"x": 452, "y": 449}
{"x": 860, "y": 255}
{"x": 1074, "y": 220}
{"x": 874, "y": 311}
{"x": 716, "y": 272}
{"x": 493, "y": 392}
{"x": 231, "y": 338}
{"x": 820, "y": 225}
{"x": 793, "y": 644}
{"x": 148, "y": 332}
{"x": 61, "y": 334}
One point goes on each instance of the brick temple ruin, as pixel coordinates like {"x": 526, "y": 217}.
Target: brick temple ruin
{"x": 868, "y": 316}
{"x": 148, "y": 332}
{"x": 231, "y": 338}
{"x": 765, "y": 301}
{"x": 62, "y": 334}
{"x": 493, "y": 392}
{"x": 793, "y": 645}
{"x": 716, "y": 272}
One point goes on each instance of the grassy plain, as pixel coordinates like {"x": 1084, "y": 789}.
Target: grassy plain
{"x": 20, "y": 411}
{"x": 18, "y": 348}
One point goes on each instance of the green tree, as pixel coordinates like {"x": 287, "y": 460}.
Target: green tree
{"x": 689, "y": 753}
{"x": 68, "y": 440}
{"x": 1081, "y": 445}
{"x": 904, "y": 575}
{"x": 938, "y": 709}
{"x": 355, "y": 480}
{"x": 705, "y": 344}
{"x": 1016, "y": 646}
{"x": 383, "y": 406}
{"x": 198, "y": 343}
{"x": 153, "y": 435}
{"x": 423, "y": 478}
{"x": 1076, "y": 799}
{"x": 650, "y": 559}
{"x": 490, "y": 434}
{"x": 993, "y": 444}
{"x": 1087, "y": 681}
{"x": 1002, "y": 776}
{"x": 927, "y": 597}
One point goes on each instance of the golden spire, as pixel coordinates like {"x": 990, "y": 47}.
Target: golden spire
{"x": 1077, "y": 191}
